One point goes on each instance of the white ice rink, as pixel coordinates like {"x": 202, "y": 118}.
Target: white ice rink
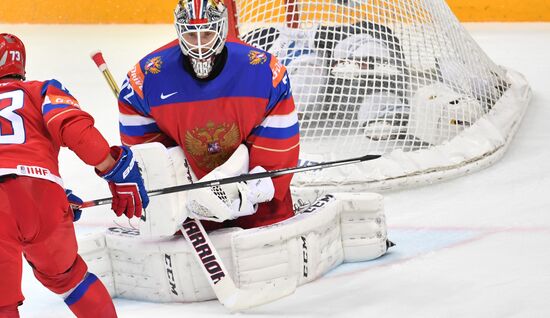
{"x": 470, "y": 247}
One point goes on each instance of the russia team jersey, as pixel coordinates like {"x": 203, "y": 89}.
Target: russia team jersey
{"x": 33, "y": 116}
{"x": 248, "y": 102}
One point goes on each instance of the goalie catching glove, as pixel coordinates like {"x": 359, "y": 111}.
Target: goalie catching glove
{"x": 233, "y": 200}
{"x": 125, "y": 183}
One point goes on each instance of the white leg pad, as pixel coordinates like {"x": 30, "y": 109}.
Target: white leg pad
{"x": 157, "y": 270}
{"x": 364, "y": 232}
{"x": 93, "y": 250}
{"x": 334, "y": 229}
{"x": 344, "y": 227}
{"x": 304, "y": 247}
{"x": 162, "y": 168}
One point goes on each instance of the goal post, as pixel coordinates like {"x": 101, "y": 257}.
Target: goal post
{"x": 400, "y": 78}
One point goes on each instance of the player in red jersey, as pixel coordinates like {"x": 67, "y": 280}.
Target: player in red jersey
{"x": 36, "y": 118}
{"x": 209, "y": 96}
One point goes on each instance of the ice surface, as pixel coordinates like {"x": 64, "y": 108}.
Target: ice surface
{"x": 470, "y": 247}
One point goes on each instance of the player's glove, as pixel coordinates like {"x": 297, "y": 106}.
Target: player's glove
{"x": 75, "y": 203}
{"x": 125, "y": 183}
{"x": 229, "y": 201}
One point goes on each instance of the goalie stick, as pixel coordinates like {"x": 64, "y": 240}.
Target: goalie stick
{"x": 243, "y": 177}
{"x": 232, "y": 297}
{"x": 97, "y": 56}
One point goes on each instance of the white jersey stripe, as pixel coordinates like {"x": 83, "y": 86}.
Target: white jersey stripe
{"x": 32, "y": 171}
{"x": 46, "y": 101}
{"x": 280, "y": 121}
{"x": 135, "y": 120}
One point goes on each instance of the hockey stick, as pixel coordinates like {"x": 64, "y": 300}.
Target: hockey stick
{"x": 243, "y": 177}
{"x": 97, "y": 56}
{"x": 228, "y": 294}
{"x": 232, "y": 297}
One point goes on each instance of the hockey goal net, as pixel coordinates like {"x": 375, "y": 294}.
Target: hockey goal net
{"x": 400, "y": 78}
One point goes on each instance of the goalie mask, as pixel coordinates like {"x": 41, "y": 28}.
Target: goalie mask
{"x": 202, "y": 32}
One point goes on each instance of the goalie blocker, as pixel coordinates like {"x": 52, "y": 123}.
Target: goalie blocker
{"x": 155, "y": 266}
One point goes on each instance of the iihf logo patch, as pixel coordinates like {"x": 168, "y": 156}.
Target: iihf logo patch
{"x": 257, "y": 57}
{"x": 153, "y": 65}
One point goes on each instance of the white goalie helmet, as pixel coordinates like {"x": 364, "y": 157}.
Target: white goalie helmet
{"x": 202, "y": 31}
{"x": 439, "y": 113}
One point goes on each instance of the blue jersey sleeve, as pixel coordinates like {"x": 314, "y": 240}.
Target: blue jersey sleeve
{"x": 136, "y": 124}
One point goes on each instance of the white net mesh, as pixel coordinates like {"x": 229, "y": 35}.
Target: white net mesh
{"x": 379, "y": 77}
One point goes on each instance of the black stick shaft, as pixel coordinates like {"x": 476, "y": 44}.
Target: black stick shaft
{"x": 244, "y": 177}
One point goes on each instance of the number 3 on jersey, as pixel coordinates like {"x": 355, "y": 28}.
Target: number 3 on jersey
{"x": 12, "y": 130}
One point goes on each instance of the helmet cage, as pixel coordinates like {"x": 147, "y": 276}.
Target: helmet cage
{"x": 198, "y": 49}
{"x": 195, "y": 20}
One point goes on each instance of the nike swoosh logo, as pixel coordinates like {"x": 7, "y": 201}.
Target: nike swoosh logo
{"x": 162, "y": 96}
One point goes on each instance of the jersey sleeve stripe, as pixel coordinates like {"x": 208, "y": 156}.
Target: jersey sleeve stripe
{"x": 56, "y": 98}
{"x": 49, "y": 107}
{"x": 280, "y": 121}
{"x": 273, "y": 143}
{"x": 128, "y": 109}
{"x": 276, "y": 150}
{"x": 59, "y": 114}
{"x": 276, "y": 133}
{"x": 135, "y": 120}
{"x": 139, "y": 130}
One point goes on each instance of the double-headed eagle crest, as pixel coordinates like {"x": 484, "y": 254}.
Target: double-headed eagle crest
{"x": 153, "y": 65}
{"x": 212, "y": 145}
{"x": 257, "y": 57}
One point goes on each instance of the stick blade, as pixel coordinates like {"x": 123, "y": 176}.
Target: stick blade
{"x": 369, "y": 157}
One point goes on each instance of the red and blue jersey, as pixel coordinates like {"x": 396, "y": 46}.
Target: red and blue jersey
{"x": 36, "y": 119}
{"x": 249, "y": 101}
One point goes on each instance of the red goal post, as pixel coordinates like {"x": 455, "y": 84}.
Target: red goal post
{"x": 399, "y": 78}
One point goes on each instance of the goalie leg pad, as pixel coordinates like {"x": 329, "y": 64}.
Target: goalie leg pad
{"x": 161, "y": 168}
{"x": 303, "y": 247}
{"x": 94, "y": 251}
{"x": 156, "y": 270}
{"x": 337, "y": 228}
{"x": 344, "y": 227}
{"x": 363, "y": 222}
